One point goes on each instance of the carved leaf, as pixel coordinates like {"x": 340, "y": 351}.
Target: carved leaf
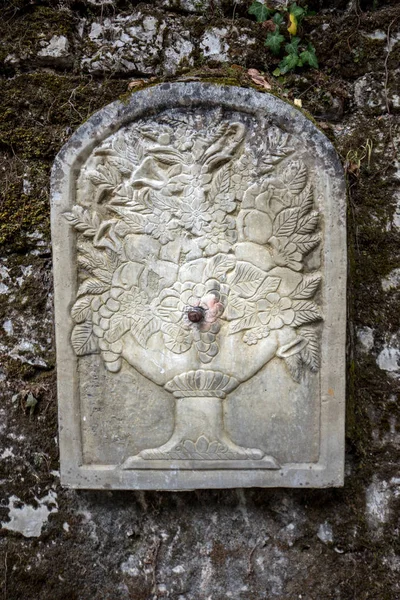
{"x": 113, "y": 261}
{"x": 270, "y": 284}
{"x": 120, "y": 146}
{"x": 220, "y": 183}
{"x": 236, "y": 308}
{"x": 124, "y": 166}
{"x": 246, "y": 322}
{"x": 247, "y": 279}
{"x": 81, "y": 309}
{"x": 135, "y": 150}
{"x": 294, "y": 363}
{"x": 305, "y": 243}
{"x": 311, "y": 353}
{"x": 175, "y": 171}
{"x": 82, "y": 339}
{"x": 218, "y": 266}
{"x": 135, "y": 221}
{"x": 165, "y": 155}
{"x": 142, "y": 331}
{"x": 85, "y": 263}
{"x": 104, "y": 177}
{"x": 92, "y": 286}
{"x": 219, "y": 132}
{"x": 286, "y": 221}
{"x": 277, "y": 149}
{"x": 103, "y": 275}
{"x": 83, "y": 221}
{"x": 119, "y": 325}
{"x": 305, "y": 201}
{"x": 307, "y": 287}
{"x": 92, "y": 257}
{"x": 306, "y": 312}
{"x": 308, "y": 223}
{"x": 164, "y": 202}
{"x": 295, "y": 177}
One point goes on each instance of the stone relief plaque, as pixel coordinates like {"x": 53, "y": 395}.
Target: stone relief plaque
{"x": 200, "y": 269}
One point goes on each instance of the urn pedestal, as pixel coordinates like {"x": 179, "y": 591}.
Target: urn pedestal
{"x": 200, "y": 437}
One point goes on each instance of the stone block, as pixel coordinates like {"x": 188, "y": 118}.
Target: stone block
{"x": 200, "y": 269}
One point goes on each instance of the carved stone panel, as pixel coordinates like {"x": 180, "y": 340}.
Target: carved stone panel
{"x": 200, "y": 268}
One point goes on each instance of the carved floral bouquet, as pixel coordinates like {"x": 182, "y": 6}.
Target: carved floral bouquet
{"x": 196, "y": 214}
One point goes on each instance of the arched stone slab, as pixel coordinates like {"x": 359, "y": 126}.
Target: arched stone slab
{"x": 200, "y": 271}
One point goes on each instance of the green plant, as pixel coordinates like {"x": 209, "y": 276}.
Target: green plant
{"x": 356, "y": 156}
{"x": 298, "y": 53}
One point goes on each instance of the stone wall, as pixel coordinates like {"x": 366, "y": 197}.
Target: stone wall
{"x": 59, "y": 62}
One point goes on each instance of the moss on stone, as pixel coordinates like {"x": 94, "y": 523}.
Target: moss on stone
{"x": 33, "y": 127}
{"x": 34, "y": 26}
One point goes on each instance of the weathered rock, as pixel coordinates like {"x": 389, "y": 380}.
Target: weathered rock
{"x": 56, "y": 52}
{"x": 136, "y": 44}
{"x": 192, "y": 6}
{"x": 223, "y": 45}
{"x": 213, "y": 44}
{"x": 29, "y": 520}
{"x": 372, "y": 95}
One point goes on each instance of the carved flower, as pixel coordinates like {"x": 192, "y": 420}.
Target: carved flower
{"x": 184, "y": 138}
{"x": 226, "y": 202}
{"x": 176, "y": 301}
{"x": 196, "y": 182}
{"x": 239, "y": 179}
{"x": 161, "y": 226}
{"x": 221, "y": 238}
{"x": 275, "y": 311}
{"x": 195, "y": 216}
{"x": 252, "y": 337}
{"x": 285, "y": 253}
{"x": 133, "y": 302}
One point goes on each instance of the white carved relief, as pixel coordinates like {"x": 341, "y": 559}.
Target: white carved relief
{"x": 192, "y": 238}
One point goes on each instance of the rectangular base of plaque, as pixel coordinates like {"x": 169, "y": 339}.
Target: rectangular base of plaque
{"x": 188, "y": 465}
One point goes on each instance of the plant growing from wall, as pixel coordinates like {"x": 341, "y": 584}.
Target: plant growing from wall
{"x": 295, "y": 53}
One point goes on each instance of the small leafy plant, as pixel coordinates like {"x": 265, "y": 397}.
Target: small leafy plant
{"x": 298, "y": 53}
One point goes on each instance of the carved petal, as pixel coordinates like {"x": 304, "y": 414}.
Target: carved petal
{"x": 176, "y": 339}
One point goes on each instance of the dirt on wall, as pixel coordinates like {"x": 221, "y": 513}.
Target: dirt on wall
{"x": 60, "y": 62}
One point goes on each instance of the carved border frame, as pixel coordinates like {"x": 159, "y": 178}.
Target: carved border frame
{"x": 329, "y": 470}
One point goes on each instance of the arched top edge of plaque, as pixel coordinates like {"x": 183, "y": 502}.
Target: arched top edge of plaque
{"x": 199, "y": 240}
{"x": 155, "y": 99}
